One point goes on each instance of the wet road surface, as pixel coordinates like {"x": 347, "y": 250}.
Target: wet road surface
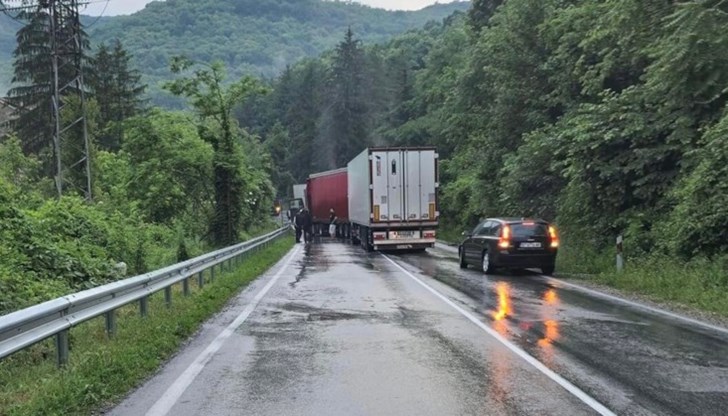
{"x": 336, "y": 331}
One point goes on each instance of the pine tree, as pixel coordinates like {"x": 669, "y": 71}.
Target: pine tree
{"x": 33, "y": 77}
{"x": 345, "y": 129}
{"x": 118, "y": 90}
{"x": 302, "y": 118}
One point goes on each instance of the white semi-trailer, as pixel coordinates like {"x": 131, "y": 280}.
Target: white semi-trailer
{"x": 393, "y": 198}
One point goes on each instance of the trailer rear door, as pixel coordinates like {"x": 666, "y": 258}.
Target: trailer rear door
{"x": 422, "y": 185}
{"x": 404, "y": 183}
{"x": 387, "y": 186}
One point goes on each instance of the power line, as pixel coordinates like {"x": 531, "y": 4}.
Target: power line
{"x": 99, "y": 16}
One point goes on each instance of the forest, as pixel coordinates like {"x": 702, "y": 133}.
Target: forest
{"x": 605, "y": 117}
{"x": 252, "y": 37}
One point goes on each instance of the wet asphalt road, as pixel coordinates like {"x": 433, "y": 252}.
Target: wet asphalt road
{"x": 343, "y": 332}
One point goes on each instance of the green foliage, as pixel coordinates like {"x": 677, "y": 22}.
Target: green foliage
{"x": 49, "y": 248}
{"x": 102, "y": 370}
{"x": 604, "y": 117}
{"x": 240, "y": 187}
{"x": 169, "y": 167}
{"x": 277, "y": 144}
{"x": 699, "y": 222}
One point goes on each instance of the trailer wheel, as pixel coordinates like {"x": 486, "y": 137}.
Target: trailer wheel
{"x": 354, "y": 240}
{"x": 365, "y": 237}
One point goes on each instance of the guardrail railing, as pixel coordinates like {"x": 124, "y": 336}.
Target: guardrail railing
{"x": 26, "y": 327}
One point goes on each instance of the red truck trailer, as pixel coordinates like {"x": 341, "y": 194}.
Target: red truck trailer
{"x": 324, "y": 191}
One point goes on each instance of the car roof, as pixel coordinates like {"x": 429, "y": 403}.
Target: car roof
{"x": 516, "y": 220}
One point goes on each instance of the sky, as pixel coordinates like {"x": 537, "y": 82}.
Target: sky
{"x": 116, "y": 7}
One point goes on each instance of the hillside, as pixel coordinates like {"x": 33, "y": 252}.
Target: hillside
{"x": 257, "y": 37}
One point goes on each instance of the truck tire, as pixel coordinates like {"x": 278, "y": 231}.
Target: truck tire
{"x": 366, "y": 242}
{"x": 353, "y": 236}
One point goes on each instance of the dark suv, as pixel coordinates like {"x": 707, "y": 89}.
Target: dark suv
{"x": 515, "y": 243}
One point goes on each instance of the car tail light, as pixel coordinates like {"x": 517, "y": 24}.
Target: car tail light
{"x": 380, "y": 236}
{"x": 554, "y": 237}
{"x": 429, "y": 234}
{"x": 505, "y": 240}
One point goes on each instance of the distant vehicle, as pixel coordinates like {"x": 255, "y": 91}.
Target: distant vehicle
{"x": 299, "y": 192}
{"x": 326, "y": 191}
{"x": 277, "y": 207}
{"x": 393, "y": 198}
{"x": 298, "y": 202}
{"x": 511, "y": 243}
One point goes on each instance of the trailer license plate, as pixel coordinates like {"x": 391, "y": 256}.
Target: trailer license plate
{"x": 399, "y": 235}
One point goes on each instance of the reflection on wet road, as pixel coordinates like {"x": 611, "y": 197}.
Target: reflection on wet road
{"x": 634, "y": 361}
{"x": 344, "y": 332}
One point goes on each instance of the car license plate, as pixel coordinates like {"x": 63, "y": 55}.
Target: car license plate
{"x": 530, "y": 245}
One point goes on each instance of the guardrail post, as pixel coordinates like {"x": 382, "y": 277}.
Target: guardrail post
{"x": 110, "y": 323}
{"x": 186, "y": 286}
{"x": 212, "y": 274}
{"x": 168, "y": 296}
{"x": 62, "y": 348}
{"x": 620, "y": 257}
{"x": 200, "y": 279}
{"x": 143, "y": 306}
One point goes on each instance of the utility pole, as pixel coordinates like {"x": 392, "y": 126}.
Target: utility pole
{"x": 66, "y": 44}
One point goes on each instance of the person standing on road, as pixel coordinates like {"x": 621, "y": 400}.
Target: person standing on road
{"x": 332, "y": 222}
{"x": 298, "y": 225}
{"x": 307, "y": 226}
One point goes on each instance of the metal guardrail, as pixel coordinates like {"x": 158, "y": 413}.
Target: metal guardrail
{"x": 26, "y": 327}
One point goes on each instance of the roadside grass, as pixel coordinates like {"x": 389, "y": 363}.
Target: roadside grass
{"x": 582, "y": 259}
{"x": 451, "y": 234}
{"x": 700, "y": 283}
{"x": 101, "y": 371}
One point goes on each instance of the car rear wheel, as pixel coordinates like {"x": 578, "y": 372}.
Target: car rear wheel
{"x": 487, "y": 264}
{"x": 548, "y": 270}
{"x": 463, "y": 263}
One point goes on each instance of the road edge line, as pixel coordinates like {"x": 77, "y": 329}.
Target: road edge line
{"x": 567, "y": 385}
{"x": 170, "y": 397}
{"x": 637, "y": 305}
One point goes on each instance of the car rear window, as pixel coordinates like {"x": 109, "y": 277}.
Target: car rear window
{"x": 527, "y": 230}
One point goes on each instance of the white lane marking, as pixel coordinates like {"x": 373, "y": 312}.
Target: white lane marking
{"x": 577, "y": 392}
{"x": 638, "y": 305}
{"x": 175, "y": 391}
